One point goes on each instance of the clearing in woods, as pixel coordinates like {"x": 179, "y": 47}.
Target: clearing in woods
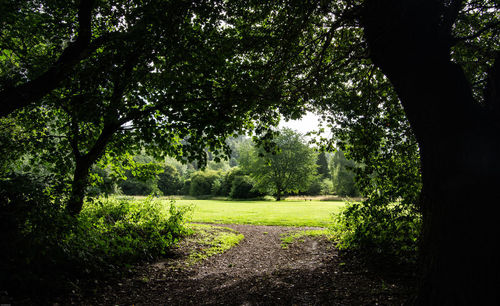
{"x": 268, "y": 264}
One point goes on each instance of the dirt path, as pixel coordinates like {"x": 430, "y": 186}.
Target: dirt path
{"x": 257, "y": 272}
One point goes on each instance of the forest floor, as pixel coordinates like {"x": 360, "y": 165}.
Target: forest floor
{"x": 257, "y": 271}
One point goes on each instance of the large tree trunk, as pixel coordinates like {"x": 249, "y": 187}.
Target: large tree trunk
{"x": 83, "y": 163}
{"x": 79, "y": 184}
{"x": 460, "y": 153}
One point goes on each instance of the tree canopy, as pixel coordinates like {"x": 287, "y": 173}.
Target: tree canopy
{"x": 289, "y": 169}
{"x": 410, "y": 89}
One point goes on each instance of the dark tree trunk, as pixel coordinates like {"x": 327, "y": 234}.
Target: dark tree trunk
{"x": 278, "y": 194}
{"x": 460, "y": 152}
{"x": 79, "y": 185}
{"x": 83, "y": 163}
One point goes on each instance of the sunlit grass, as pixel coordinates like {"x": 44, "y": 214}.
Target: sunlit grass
{"x": 210, "y": 240}
{"x": 289, "y": 238}
{"x": 284, "y": 213}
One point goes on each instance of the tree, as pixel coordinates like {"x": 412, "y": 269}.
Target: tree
{"x": 343, "y": 175}
{"x": 169, "y": 181}
{"x": 323, "y": 165}
{"x": 440, "y": 99}
{"x": 176, "y": 82}
{"x": 290, "y": 169}
{"x": 202, "y": 182}
{"x": 25, "y": 37}
{"x": 441, "y": 60}
{"x": 243, "y": 188}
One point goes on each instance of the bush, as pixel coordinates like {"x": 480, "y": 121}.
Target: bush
{"x": 227, "y": 182}
{"x": 103, "y": 184}
{"x": 186, "y": 187}
{"x": 202, "y": 182}
{"x": 315, "y": 187}
{"x": 169, "y": 181}
{"x": 133, "y": 186}
{"x": 120, "y": 232}
{"x": 384, "y": 231}
{"x": 41, "y": 242}
{"x": 243, "y": 188}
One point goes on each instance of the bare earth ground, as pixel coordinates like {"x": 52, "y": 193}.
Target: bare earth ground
{"x": 258, "y": 271}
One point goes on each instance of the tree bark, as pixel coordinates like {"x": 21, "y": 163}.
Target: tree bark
{"x": 83, "y": 163}
{"x": 459, "y": 148}
{"x": 79, "y": 185}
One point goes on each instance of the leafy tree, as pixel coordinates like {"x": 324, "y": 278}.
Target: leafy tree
{"x": 243, "y": 188}
{"x": 436, "y": 65}
{"x": 141, "y": 176}
{"x": 229, "y": 176}
{"x": 342, "y": 175}
{"x": 169, "y": 181}
{"x": 322, "y": 163}
{"x": 176, "y": 82}
{"x": 290, "y": 169}
{"x": 32, "y": 35}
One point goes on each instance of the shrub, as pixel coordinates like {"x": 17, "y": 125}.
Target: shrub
{"x": 123, "y": 232}
{"x": 314, "y": 187}
{"x": 202, "y": 182}
{"x": 326, "y": 187}
{"x": 40, "y": 242}
{"x": 186, "y": 187}
{"x": 134, "y": 186}
{"x": 169, "y": 181}
{"x": 243, "y": 188}
{"x": 227, "y": 182}
{"x": 385, "y": 231}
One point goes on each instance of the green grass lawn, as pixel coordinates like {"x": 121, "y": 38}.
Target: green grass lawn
{"x": 290, "y": 213}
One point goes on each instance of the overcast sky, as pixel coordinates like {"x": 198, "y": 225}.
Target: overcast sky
{"x": 308, "y": 123}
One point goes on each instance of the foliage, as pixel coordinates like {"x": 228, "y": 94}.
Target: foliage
{"x": 243, "y": 188}
{"x": 291, "y": 169}
{"x": 123, "y": 85}
{"x": 186, "y": 187}
{"x": 323, "y": 168}
{"x": 141, "y": 176}
{"x": 227, "y": 183}
{"x": 320, "y": 186}
{"x": 105, "y": 183}
{"x": 343, "y": 182}
{"x": 125, "y": 232}
{"x": 213, "y": 240}
{"x": 30, "y": 244}
{"x": 202, "y": 182}
{"x": 107, "y": 236}
{"x": 169, "y": 181}
{"x": 390, "y": 231}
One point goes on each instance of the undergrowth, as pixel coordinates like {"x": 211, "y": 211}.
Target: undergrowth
{"x": 388, "y": 233}
{"x": 44, "y": 249}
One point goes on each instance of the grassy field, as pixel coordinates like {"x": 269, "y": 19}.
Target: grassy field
{"x": 290, "y": 213}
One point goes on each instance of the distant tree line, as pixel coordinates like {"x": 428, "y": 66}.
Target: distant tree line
{"x": 291, "y": 168}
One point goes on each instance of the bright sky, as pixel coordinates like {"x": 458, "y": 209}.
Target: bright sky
{"x": 308, "y": 123}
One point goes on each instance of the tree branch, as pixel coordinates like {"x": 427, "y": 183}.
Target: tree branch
{"x": 19, "y": 96}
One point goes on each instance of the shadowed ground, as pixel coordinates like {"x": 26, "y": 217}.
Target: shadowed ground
{"x": 258, "y": 271}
